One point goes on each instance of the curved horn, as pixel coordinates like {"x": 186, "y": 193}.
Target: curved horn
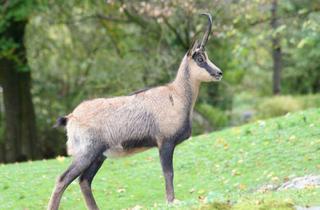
{"x": 208, "y": 31}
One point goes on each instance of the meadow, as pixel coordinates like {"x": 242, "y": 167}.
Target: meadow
{"x": 219, "y": 170}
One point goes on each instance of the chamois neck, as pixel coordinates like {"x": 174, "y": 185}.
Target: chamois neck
{"x": 185, "y": 84}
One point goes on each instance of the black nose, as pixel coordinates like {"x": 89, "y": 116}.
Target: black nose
{"x": 220, "y": 73}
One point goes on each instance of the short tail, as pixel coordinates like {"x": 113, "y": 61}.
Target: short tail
{"x": 61, "y": 121}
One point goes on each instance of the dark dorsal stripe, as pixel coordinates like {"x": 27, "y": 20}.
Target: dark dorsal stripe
{"x": 139, "y": 91}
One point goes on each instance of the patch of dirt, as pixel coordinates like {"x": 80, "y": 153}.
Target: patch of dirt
{"x": 309, "y": 181}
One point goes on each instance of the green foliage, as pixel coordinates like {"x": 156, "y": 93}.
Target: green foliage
{"x": 222, "y": 169}
{"x": 216, "y": 117}
{"x": 79, "y": 50}
{"x": 265, "y": 107}
{"x": 13, "y": 13}
{"x": 302, "y": 73}
{"x": 197, "y": 128}
{"x": 277, "y": 106}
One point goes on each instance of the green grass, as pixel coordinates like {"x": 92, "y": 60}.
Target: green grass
{"x": 221, "y": 170}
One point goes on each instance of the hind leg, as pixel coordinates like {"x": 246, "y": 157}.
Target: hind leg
{"x": 85, "y": 181}
{"x": 79, "y": 164}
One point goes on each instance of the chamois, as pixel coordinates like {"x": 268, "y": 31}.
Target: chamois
{"x": 113, "y": 127}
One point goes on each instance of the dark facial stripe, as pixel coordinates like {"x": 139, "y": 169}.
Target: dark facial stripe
{"x": 208, "y": 68}
{"x": 201, "y": 61}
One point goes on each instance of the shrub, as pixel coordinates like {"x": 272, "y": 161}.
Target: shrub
{"x": 277, "y": 106}
{"x": 197, "y": 127}
{"x": 216, "y": 117}
{"x": 310, "y": 101}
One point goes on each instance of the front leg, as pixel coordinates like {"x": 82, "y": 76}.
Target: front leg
{"x": 166, "y": 154}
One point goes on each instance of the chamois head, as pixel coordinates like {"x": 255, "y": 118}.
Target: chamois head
{"x": 200, "y": 65}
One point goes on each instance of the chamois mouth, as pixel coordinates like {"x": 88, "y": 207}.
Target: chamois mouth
{"x": 217, "y": 77}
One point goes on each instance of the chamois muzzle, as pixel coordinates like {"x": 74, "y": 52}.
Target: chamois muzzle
{"x": 208, "y": 31}
{"x": 218, "y": 75}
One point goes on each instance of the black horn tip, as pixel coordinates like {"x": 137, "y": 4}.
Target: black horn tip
{"x": 208, "y": 31}
{"x": 208, "y": 15}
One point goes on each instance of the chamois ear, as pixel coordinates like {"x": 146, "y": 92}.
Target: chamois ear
{"x": 194, "y": 46}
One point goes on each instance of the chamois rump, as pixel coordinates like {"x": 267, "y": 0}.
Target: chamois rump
{"x": 113, "y": 127}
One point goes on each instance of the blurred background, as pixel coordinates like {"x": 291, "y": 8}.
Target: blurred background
{"x": 55, "y": 54}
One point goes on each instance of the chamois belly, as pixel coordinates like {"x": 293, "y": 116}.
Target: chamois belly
{"x": 130, "y": 147}
{"x": 117, "y": 152}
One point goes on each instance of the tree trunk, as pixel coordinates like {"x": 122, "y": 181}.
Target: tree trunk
{"x": 276, "y": 49}
{"x": 20, "y": 130}
{"x": 20, "y": 141}
{"x": 2, "y": 150}
{"x": 30, "y": 146}
{"x": 9, "y": 83}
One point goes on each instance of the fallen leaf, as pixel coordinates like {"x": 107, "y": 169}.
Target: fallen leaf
{"x": 234, "y": 172}
{"x": 292, "y": 138}
{"x": 275, "y": 179}
{"x": 60, "y": 158}
{"x": 242, "y": 186}
{"x": 150, "y": 159}
{"x": 201, "y": 198}
{"x": 121, "y": 190}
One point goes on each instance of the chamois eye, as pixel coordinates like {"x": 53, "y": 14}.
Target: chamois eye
{"x": 200, "y": 59}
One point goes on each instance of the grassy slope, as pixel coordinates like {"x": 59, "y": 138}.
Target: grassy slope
{"x": 226, "y": 165}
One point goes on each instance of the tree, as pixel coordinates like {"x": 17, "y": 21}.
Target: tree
{"x": 276, "y": 49}
{"x": 20, "y": 140}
